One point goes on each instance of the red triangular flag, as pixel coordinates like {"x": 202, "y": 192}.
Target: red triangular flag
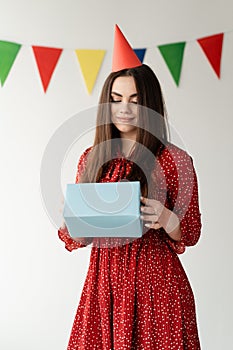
{"x": 212, "y": 47}
{"x": 46, "y": 59}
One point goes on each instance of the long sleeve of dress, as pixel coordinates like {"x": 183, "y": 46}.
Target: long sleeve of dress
{"x": 63, "y": 234}
{"x": 182, "y": 196}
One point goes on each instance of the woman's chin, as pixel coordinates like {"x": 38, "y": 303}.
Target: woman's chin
{"x": 125, "y": 127}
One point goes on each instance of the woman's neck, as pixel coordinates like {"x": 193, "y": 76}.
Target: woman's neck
{"x": 127, "y": 146}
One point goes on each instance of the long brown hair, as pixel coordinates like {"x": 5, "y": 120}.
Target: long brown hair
{"x": 107, "y": 136}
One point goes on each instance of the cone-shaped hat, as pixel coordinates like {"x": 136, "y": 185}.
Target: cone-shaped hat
{"x": 123, "y": 55}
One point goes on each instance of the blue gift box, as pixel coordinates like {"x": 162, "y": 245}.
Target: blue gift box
{"x": 110, "y": 209}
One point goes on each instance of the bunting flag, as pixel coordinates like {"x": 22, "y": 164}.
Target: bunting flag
{"x": 46, "y": 59}
{"x": 8, "y": 53}
{"x": 173, "y": 56}
{"x": 140, "y": 53}
{"x": 90, "y": 62}
{"x": 212, "y": 47}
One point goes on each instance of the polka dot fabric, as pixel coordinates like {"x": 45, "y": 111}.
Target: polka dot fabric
{"x": 137, "y": 296}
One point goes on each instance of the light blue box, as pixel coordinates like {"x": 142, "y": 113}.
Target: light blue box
{"x": 110, "y": 209}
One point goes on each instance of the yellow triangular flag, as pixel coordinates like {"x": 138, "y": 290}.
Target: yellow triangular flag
{"x": 90, "y": 62}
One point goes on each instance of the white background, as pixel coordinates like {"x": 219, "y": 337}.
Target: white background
{"x": 41, "y": 282}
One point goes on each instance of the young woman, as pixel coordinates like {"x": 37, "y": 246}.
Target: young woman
{"x": 137, "y": 295}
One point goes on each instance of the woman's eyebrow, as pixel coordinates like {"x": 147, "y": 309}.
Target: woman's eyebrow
{"x": 117, "y": 94}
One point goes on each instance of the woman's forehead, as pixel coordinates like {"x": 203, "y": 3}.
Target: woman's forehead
{"x": 124, "y": 85}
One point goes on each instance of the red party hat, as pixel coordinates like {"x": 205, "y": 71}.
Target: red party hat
{"x": 123, "y": 55}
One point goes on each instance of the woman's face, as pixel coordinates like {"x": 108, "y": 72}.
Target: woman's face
{"x": 124, "y": 106}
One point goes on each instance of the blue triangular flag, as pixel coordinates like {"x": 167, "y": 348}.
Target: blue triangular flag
{"x": 140, "y": 53}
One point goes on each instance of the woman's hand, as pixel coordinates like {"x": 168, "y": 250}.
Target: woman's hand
{"x": 80, "y": 240}
{"x": 151, "y": 211}
{"x": 159, "y": 216}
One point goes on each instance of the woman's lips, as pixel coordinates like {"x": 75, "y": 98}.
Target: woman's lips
{"x": 125, "y": 119}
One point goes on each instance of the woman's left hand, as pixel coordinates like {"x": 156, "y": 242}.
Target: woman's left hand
{"x": 151, "y": 211}
{"x": 160, "y": 216}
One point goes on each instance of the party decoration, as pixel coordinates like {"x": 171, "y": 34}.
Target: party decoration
{"x": 212, "y": 47}
{"x": 8, "y": 53}
{"x": 140, "y": 53}
{"x": 173, "y": 56}
{"x": 123, "y": 55}
{"x": 90, "y": 62}
{"x": 46, "y": 59}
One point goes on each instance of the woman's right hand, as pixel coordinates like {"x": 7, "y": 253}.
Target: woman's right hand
{"x": 63, "y": 226}
{"x": 80, "y": 240}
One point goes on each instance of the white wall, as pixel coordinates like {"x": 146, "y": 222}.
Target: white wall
{"x": 41, "y": 282}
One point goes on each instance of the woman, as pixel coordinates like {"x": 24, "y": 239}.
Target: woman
{"x": 137, "y": 295}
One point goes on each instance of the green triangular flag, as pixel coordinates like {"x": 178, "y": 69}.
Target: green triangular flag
{"x": 8, "y": 53}
{"x": 173, "y": 56}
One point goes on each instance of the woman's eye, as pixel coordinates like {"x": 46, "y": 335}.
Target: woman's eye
{"x": 116, "y": 101}
{"x": 135, "y": 102}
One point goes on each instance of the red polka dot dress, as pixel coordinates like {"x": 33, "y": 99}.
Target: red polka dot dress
{"x": 137, "y": 296}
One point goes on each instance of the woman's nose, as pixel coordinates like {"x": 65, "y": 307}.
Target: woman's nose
{"x": 125, "y": 108}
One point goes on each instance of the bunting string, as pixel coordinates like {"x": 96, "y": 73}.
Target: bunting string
{"x": 90, "y": 61}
